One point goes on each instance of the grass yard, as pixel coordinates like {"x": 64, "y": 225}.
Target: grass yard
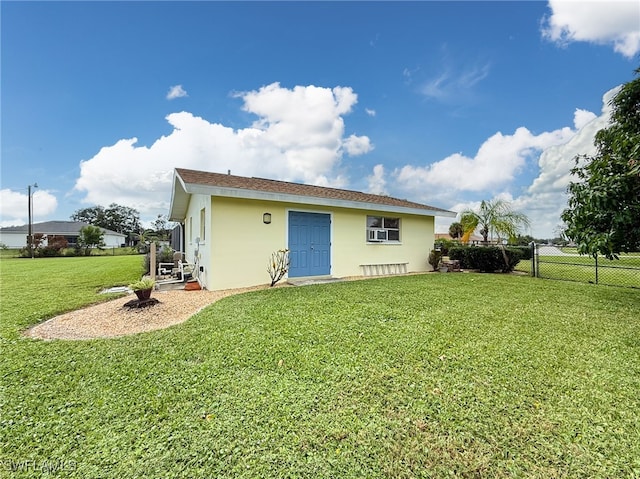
{"x": 35, "y": 289}
{"x": 621, "y": 272}
{"x": 110, "y": 251}
{"x": 435, "y": 375}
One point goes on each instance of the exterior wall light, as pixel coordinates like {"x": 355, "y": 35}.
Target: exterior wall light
{"x": 266, "y": 218}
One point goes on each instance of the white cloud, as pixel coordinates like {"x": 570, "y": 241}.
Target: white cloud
{"x": 298, "y": 136}
{"x": 614, "y": 23}
{"x": 357, "y": 145}
{"x": 582, "y": 117}
{"x": 490, "y": 173}
{"x": 546, "y": 197}
{"x": 370, "y": 112}
{"x": 176, "y": 91}
{"x": 377, "y": 182}
{"x": 14, "y": 206}
{"x": 496, "y": 163}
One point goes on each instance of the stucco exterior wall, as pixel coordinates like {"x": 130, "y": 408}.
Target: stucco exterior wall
{"x": 351, "y": 250}
{"x": 243, "y": 243}
{"x": 237, "y": 244}
{"x": 196, "y": 248}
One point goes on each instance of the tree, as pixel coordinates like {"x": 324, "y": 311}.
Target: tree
{"x": 493, "y": 218}
{"x": 455, "y": 230}
{"x": 90, "y": 237}
{"x": 93, "y": 215}
{"x": 603, "y": 213}
{"x": 163, "y": 227}
{"x": 525, "y": 240}
{"x": 115, "y": 217}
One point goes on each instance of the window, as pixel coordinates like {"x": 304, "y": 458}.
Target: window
{"x": 381, "y": 229}
{"x": 203, "y": 218}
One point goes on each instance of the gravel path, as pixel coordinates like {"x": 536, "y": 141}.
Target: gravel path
{"x": 111, "y": 319}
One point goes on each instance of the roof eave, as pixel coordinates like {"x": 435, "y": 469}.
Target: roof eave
{"x": 242, "y": 193}
{"x": 179, "y": 199}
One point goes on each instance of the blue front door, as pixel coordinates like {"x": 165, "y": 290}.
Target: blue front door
{"x": 309, "y": 244}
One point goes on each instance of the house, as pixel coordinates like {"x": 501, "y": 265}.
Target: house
{"x": 232, "y": 225}
{"x": 16, "y": 236}
{"x": 473, "y": 239}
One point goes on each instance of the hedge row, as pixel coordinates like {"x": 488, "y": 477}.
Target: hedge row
{"x": 487, "y": 259}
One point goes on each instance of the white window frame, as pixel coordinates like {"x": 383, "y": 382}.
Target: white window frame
{"x": 203, "y": 225}
{"x": 380, "y": 233}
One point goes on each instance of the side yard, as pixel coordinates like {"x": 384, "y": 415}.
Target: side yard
{"x": 434, "y": 375}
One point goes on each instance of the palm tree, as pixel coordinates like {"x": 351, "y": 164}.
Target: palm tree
{"x": 455, "y": 230}
{"x": 495, "y": 217}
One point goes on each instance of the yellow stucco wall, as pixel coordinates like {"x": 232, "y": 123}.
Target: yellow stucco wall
{"x": 242, "y": 243}
{"x": 238, "y": 244}
{"x": 351, "y": 250}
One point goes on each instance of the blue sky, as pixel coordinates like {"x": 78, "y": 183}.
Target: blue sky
{"x": 442, "y": 103}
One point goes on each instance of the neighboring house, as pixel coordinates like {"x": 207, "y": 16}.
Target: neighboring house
{"x": 232, "y": 224}
{"x": 473, "y": 239}
{"x": 16, "y": 236}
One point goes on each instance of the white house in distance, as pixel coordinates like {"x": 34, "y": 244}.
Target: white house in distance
{"x": 16, "y": 236}
{"x": 232, "y": 225}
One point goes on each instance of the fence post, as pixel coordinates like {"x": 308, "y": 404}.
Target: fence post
{"x": 596, "y": 268}
{"x": 532, "y": 245}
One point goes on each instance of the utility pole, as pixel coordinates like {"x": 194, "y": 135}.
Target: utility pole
{"x": 30, "y": 235}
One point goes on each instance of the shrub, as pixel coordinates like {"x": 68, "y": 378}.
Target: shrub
{"x": 165, "y": 254}
{"x": 55, "y": 246}
{"x": 434, "y": 259}
{"x": 525, "y": 251}
{"x": 486, "y": 259}
{"x": 514, "y": 255}
{"x": 278, "y": 265}
{"x": 461, "y": 253}
{"x": 445, "y": 245}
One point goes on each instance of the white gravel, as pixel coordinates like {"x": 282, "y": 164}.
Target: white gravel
{"x": 111, "y": 319}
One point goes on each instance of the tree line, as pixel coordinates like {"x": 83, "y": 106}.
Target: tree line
{"x": 126, "y": 221}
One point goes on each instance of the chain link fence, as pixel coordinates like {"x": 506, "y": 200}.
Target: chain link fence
{"x": 564, "y": 263}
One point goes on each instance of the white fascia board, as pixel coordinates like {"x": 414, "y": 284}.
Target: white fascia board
{"x": 179, "y": 199}
{"x": 309, "y": 200}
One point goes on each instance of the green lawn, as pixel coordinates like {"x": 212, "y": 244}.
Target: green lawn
{"x": 621, "y": 272}
{"x": 435, "y": 375}
{"x": 110, "y": 251}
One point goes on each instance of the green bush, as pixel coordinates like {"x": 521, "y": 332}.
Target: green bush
{"x": 163, "y": 255}
{"x": 486, "y": 259}
{"x": 461, "y": 253}
{"x": 525, "y": 252}
{"x": 434, "y": 258}
{"x": 445, "y": 245}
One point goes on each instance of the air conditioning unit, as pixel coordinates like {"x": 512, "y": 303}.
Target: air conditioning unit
{"x": 377, "y": 234}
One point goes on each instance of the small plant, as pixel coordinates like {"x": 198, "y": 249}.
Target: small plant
{"x": 144, "y": 283}
{"x": 278, "y": 265}
{"x": 434, "y": 259}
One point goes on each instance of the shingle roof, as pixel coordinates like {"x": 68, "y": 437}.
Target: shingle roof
{"x": 53, "y": 227}
{"x": 203, "y": 178}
